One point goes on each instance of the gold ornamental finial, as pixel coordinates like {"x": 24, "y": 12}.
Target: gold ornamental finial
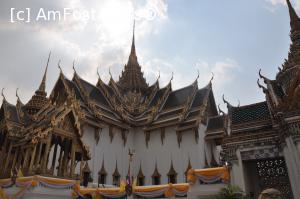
{"x": 158, "y": 77}
{"x": 261, "y": 86}
{"x": 293, "y": 15}
{"x": 74, "y": 66}
{"x": 42, "y": 86}
{"x": 212, "y": 77}
{"x": 220, "y": 110}
{"x": 2, "y": 93}
{"x": 226, "y": 102}
{"x": 172, "y": 76}
{"x": 17, "y": 95}
{"x": 98, "y": 73}
{"x": 58, "y": 64}
{"x": 109, "y": 72}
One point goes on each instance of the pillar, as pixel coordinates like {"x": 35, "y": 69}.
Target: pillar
{"x": 32, "y": 159}
{"x": 54, "y": 158}
{"x": 8, "y": 157}
{"x": 72, "y": 169}
{"x": 46, "y": 153}
{"x": 15, "y": 158}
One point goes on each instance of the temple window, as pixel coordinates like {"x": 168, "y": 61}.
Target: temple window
{"x": 102, "y": 174}
{"x": 116, "y": 176}
{"x": 140, "y": 177}
{"x": 156, "y": 176}
{"x": 172, "y": 175}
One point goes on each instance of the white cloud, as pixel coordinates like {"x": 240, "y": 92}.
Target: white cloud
{"x": 296, "y": 3}
{"x": 103, "y": 42}
{"x": 223, "y": 72}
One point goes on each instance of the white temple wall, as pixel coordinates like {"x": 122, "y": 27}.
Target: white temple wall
{"x": 111, "y": 152}
{"x": 163, "y": 153}
{"x": 146, "y": 156}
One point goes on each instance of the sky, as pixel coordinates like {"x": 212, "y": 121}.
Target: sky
{"x": 232, "y": 39}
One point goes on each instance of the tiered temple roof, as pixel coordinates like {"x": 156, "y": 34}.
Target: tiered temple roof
{"x": 129, "y": 102}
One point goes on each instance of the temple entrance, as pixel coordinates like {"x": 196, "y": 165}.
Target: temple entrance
{"x": 267, "y": 173}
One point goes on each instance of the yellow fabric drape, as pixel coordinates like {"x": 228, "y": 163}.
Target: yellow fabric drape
{"x": 210, "y": 172}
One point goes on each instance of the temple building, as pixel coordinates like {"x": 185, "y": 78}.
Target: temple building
{"x": 86, "y": 130}
{"x": 102, "y": 133}
{"x": 261, "y": 141}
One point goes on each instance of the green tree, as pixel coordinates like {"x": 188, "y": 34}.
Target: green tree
{"x": 230, "y": 192}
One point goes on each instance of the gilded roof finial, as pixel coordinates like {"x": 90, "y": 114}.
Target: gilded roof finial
{"x": 212, "y": 77}
{"x": 262, "y": 77}
{"x": 42, "y": 86}
{"x": 239, "y": 103}
{"x": 74, "y": 66}
{"x": 198, "y": 75}
{"x": 17, "y": 94}
{"x": 220, "y": 110}
{"x": 172, "y": 76}
{"x": 58, "y": 64}
{"x": 2, "y": 93}
{"x": 294, "y": 19}
{"x": 133, "y": 39}
{"x": 226, "y": 102}
{"x": 109, "y": 72}
{"x": 99, "y": 77}
{"x": 261, "y": 86}
{"x": 158, "y": 77}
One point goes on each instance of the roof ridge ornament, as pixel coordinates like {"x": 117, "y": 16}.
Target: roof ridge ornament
{"x": 109, "y": 72}
{"x": 212, "y": 77}
{"x": 172, "y": 76}
{"x": 42, "y": 86}
{"x": 263, "y": 77}
{"x": 17, "y": 95}
{"x": 2, "y": 93}
{"x": 261, "y": 86}
{"x": 73, "y": 66}
{"x": 59, "y": 67}
{"x": 220, "y": 110}
{"x": 294, "y": 19}
{"x": 158, "y": 77}
{"x": 226, "y": 102}
{"x": 98, "y": 74}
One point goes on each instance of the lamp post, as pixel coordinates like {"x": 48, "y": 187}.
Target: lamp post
{"x": 129, "y": 178}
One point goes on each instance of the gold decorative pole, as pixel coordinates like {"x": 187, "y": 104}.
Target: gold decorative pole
{"x": 32, "y": 159}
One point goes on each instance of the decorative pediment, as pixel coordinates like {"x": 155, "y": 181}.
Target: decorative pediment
{"x": 67, "y": 124}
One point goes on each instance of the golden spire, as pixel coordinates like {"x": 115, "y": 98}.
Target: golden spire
{"x": 17, "y": 95}
{"x": 132, "y": 78}
{"x": 42, "y": 87}
{"x": 3, "y": 96}
{"x": 293, "y": 15}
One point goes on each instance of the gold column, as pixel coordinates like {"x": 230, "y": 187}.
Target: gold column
{"x": 25, "y": 164}
{"x": 81, "y": 166}
{"x": 15, "y": 158}
{"x": 46, "y": 154}
{"x": 54, "y": 158}
{"x": 38, "y": 157}
{"x": 2, "y": 154}
{"x": 72, "y": 169}
{"x": 60, "y": 161}
{"x": 32, "y": 159}
{"x": 65, "y": 160}
{"x": 8, "y": 158}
